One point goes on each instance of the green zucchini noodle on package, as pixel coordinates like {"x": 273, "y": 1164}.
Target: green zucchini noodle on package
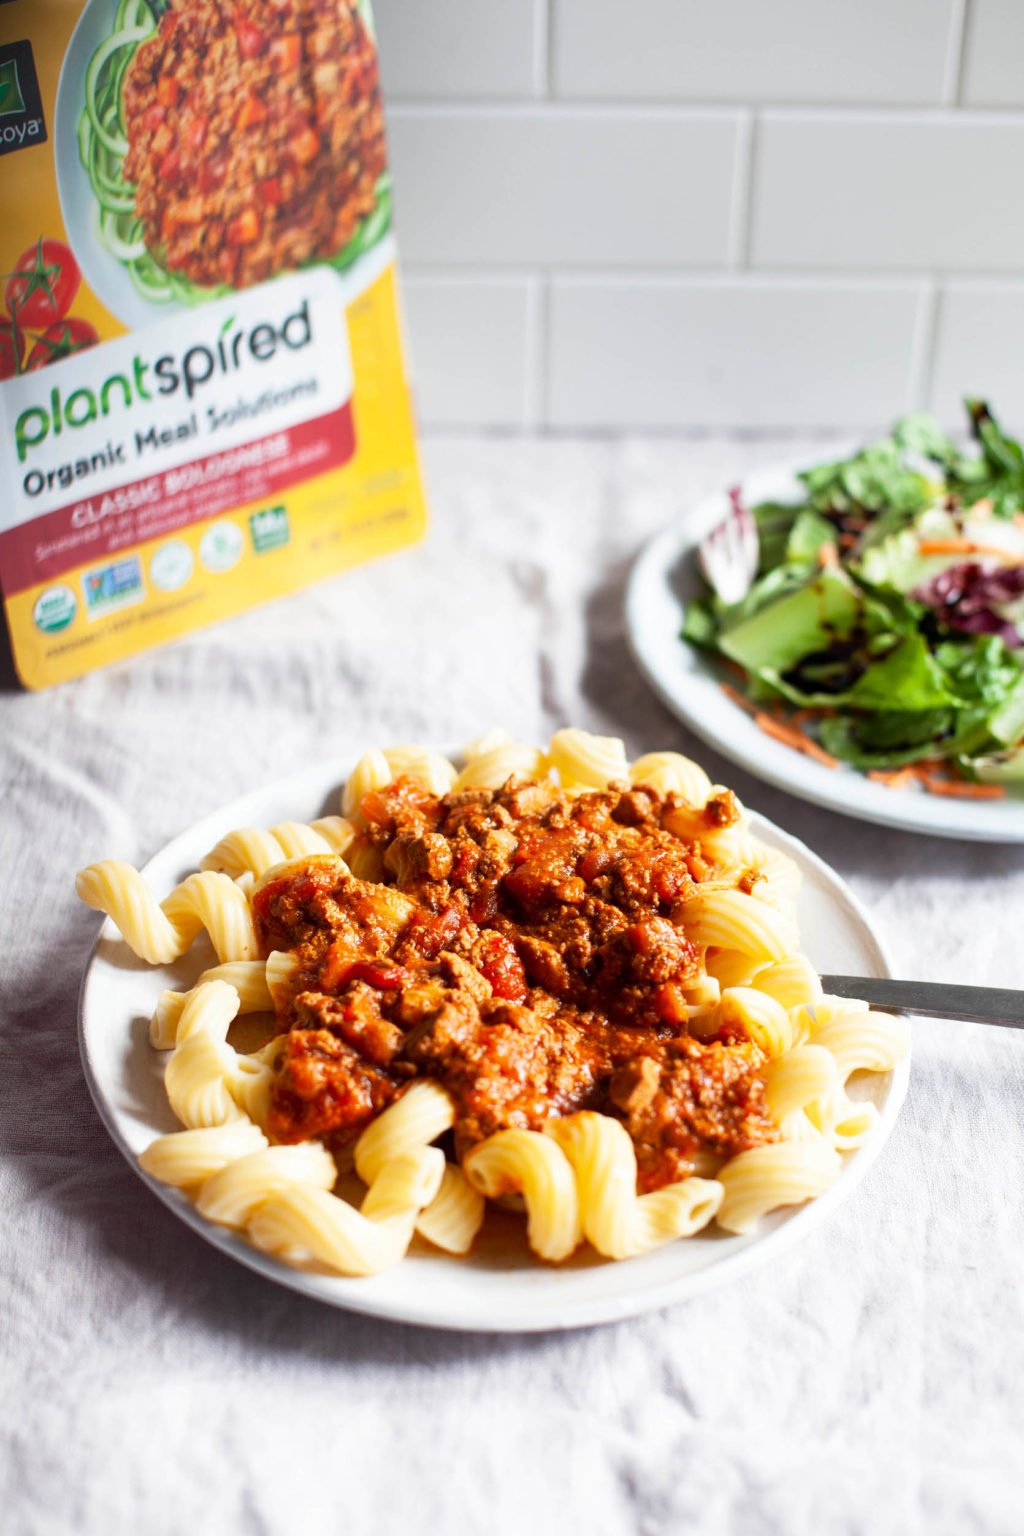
{"x": 203, "y": 395}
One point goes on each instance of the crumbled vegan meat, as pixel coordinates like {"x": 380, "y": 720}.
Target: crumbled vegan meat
{"x": 255, "y": 136}
{"x": 527, "y": 952}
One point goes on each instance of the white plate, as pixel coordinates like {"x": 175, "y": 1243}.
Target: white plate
{"x": 663, "y": 579}
{"x": 500, "y": 1288}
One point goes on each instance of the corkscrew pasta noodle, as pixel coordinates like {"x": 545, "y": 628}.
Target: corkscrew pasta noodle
{"x": 247, "y": 977}
{"x": 252, "y": 851}
{"x": 576, "y": 1174}
{"x": 530, "y": 1164}
{"x": 617, "y": 1221}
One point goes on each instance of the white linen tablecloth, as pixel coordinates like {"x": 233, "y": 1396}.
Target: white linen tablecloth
{"x": 872, "y": 1380}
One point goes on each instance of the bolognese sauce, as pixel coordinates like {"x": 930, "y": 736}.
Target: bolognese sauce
{"x": 524, "y": 948}
{"x": 255, "y": 135}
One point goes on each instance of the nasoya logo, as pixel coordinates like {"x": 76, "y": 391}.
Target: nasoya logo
{"x": 21, "y": 108}
{"x": 145, "y": 379}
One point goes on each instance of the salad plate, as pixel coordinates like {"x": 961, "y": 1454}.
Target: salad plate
{"x": 704, "y": 687}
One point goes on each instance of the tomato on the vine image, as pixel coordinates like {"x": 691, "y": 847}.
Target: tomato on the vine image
{"x": 12, "y": 350}
{"x": 62, "y": 339}
{"x": 42, "y": 287}
{"x": 38, "y": 294}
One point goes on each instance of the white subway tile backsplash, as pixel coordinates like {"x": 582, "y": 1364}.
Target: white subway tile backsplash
{"x": 979, "y": 345}
{"x": 730, "y": 353}
{"x": 552, "y": 185}
{"x": 458, "y": 47}
{"x": 902, "y": 191}
{"x": 749, "y": 50}
{"x": 673, "y": 213}
{"x": 470, "y": 350}
{"x": 993, "y": 70}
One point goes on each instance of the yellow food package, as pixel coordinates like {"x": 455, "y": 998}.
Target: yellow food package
{"x": 203, "y": 395}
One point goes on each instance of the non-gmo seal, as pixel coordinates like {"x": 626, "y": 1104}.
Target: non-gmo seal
{"x": 54, "y": 609}
{"x": 221, "y": 546}
{"x": 171, "y": 566}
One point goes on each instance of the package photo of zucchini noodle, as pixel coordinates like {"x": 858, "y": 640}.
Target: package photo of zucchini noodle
{"x": 204, "y": 400}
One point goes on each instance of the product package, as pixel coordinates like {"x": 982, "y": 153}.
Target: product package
{"x": 204, "y": 401}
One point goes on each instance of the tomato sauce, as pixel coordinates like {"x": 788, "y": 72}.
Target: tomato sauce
{"x": 526, "y": 950}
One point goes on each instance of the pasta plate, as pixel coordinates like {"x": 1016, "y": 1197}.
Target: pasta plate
{"x": 499, "y": 1287}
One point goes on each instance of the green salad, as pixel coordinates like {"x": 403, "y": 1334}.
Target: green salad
{"x": 878, "y": 620}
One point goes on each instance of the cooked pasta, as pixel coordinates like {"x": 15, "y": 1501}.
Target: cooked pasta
{"x": 421, "y": 1026}
{"x": 455, "y": 1215}
{"x": 526, "y": 1163}
{"x": 864, "y": 1042}
{"x": 406, "y": 1184}
{"x": 489, "y": 769}
{"x": 617, "y": 1221}
{"x": 196, "y": 1081}
{"x": 761, "y": 1180}
{"x": 232, "y": 1196}
{"x": 186, "y": 1158}
{"x": 252, "y": 851}
{"x": 670, "y": 772}
{"x": 732, "y": 968}
{"x": 308, "y": 1223}
{"x": 760, "y": 1017}
{"x": 159, "y": 932}
{"x": 778, "y": 877}
{"x": 420, "y": 1116}
{"x": 800, "y": 1080}
{"x": 250, "y": 1081}
{"x": 791, "y": 982}
{"x": 430, "y": 769}
{"x": 588, "y": 762}
{"x": 371, "y": 772}
{"x": 247, "y": 977}
{"x": 734, "y": 920}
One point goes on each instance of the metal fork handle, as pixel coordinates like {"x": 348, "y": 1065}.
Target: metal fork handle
{"x": 938, "y": 999}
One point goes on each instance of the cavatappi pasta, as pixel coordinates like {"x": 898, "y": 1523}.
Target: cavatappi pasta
{"x": 701, "y": 962}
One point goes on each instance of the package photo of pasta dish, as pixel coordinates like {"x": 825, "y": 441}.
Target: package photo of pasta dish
{"x": 203, "y": 395}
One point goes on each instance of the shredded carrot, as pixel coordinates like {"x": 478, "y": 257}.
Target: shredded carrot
{"x": 938, "y": 767}
{"x": 962, "y": 547}
{"x": 791, "y": 737}
{"x": 828, "y": 555}
{"x": 737, "y": 697}
{"x": 961, "y": 789}
{"x": 898, "y": 779}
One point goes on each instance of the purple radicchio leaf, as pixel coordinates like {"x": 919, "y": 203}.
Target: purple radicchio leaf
{"x": 964, "y": 597}
{"x": 730, "y": 553}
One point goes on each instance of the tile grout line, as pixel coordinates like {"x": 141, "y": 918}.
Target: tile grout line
{"x": 924, "y": 345}
{"x": 680, "y": 275}
{"x": 956, "y": 55}
{"x": 543, "y": 40}
{"x": 535, "y": 391}
{"x": 521, "y": 108}
{"x": 787, "y": 279}
{"x": 743, "y": 208}
{"x": 739, "y": 195}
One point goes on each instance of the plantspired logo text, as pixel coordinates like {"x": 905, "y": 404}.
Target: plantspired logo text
{"x": 187, "y": 373}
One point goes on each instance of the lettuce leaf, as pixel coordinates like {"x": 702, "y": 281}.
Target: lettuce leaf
{"x": 777, "y": 636}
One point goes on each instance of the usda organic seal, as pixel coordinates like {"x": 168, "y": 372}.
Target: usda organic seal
{"x": 54, "y": 609}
